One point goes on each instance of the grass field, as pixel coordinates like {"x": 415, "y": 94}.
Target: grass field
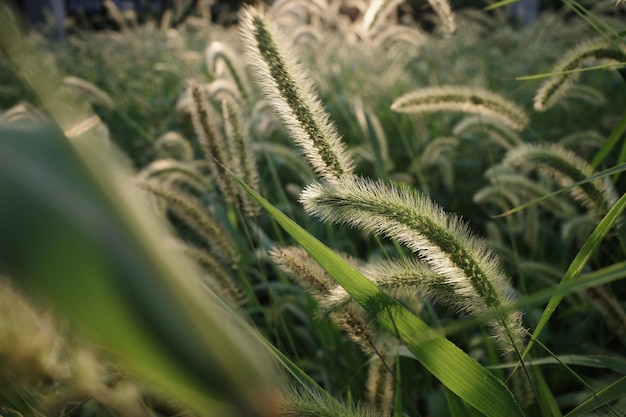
{"x": 391, "y": 212}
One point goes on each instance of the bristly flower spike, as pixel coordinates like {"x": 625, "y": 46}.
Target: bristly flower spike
{"x": 444, "y": 11}
{"x": 211, "y": 141}
{"x": 469, "y": 100}
{"x": 292, "y": 96}
{"x": 242, "y": 158}
{"x": 554, "y": 88}
{"x": 441, "y": 240}
{"x": 566, "y": 168}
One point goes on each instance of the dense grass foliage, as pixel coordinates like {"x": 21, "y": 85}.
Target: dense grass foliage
{"x": 460, "y": 178}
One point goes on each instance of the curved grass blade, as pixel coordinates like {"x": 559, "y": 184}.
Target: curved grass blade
{"x": 602, "y": 174}
{"x": 609, "y": 393}
{"x": 499, "y": 4}
{"x": 545, "y": 398}
{"x": 454, "y": 368}
{"x": 613, "y": 363}
{"x": 578, "y": 264}
{"x": 610, "y": 143}
{"x": 573, "y": 71}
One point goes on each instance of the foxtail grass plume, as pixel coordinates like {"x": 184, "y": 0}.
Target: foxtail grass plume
{"x": 381, "y": 347}
{"x": 464, "y": 99}
{"x": 445, "y": 14}
{"x": 555, "y": 87}
{"x": 441, "y": 240}
{"x": 586, "y": 93}
{"x": 611, "y": 309}
{"x": 189, "y": 210}
{"x": 174, "y": 145}
{"x": 497, "y": 131}
{"x": 297, "y": 263}
{"x": 399, "y": 38}
{"x": 216, "y": 276}
{"x": 381, "y": 380}
{"x": 219, "y": 56}
{"x": 170, "y": 170}
{"x": 350, "y": 317}
{"x": 92, "y": 91}
{"x": 408, "y": 280}
{"x": 211, "y": 141}
{"x": 242, "y": 159}
{"x": 224, "y": 89}
{"x": 301, "y": 403}
{"x": 438, "y": 154}
{"x": 582, "y": 139}
{"x": 566, "y": 168}
{"x": 292, "y": 96}
{"x": 525, "y": 189}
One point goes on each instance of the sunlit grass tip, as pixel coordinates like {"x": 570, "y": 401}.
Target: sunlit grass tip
{"x": 555, "y": 87}
{"x": 464, "y": 99}
{"x": 377, "y": 12}
{"x": 445, "y": 14}
{"x": 291, "y": 94}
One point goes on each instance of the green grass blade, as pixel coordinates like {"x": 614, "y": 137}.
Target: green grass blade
{"x": 545, "y": 399}
{"x": 454, "y": 368}
{"x": 610, "y": 143}
{"x": 573, "y": 71}
{"x": 613, "y": 363}
{"x": 577, "y": 265}
{"x": 456, "y": 407}
{"x": 499, "y": 4}
{"x": 611, "y": 392}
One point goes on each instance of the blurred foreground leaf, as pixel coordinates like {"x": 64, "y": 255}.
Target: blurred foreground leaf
{"x": 73, "y": 229}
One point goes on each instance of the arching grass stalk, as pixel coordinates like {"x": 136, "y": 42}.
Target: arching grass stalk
{"x": 292, "y": 96}
{"x": 441, "y": 240}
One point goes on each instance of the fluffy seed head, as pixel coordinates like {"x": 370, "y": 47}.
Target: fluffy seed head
{"x": 566, "y": 168}
{"x": 441, "y": 240}
{"x": 291, "y": 94}
{"x": 469, "y": 100}
{"x": 554, "y": 88}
